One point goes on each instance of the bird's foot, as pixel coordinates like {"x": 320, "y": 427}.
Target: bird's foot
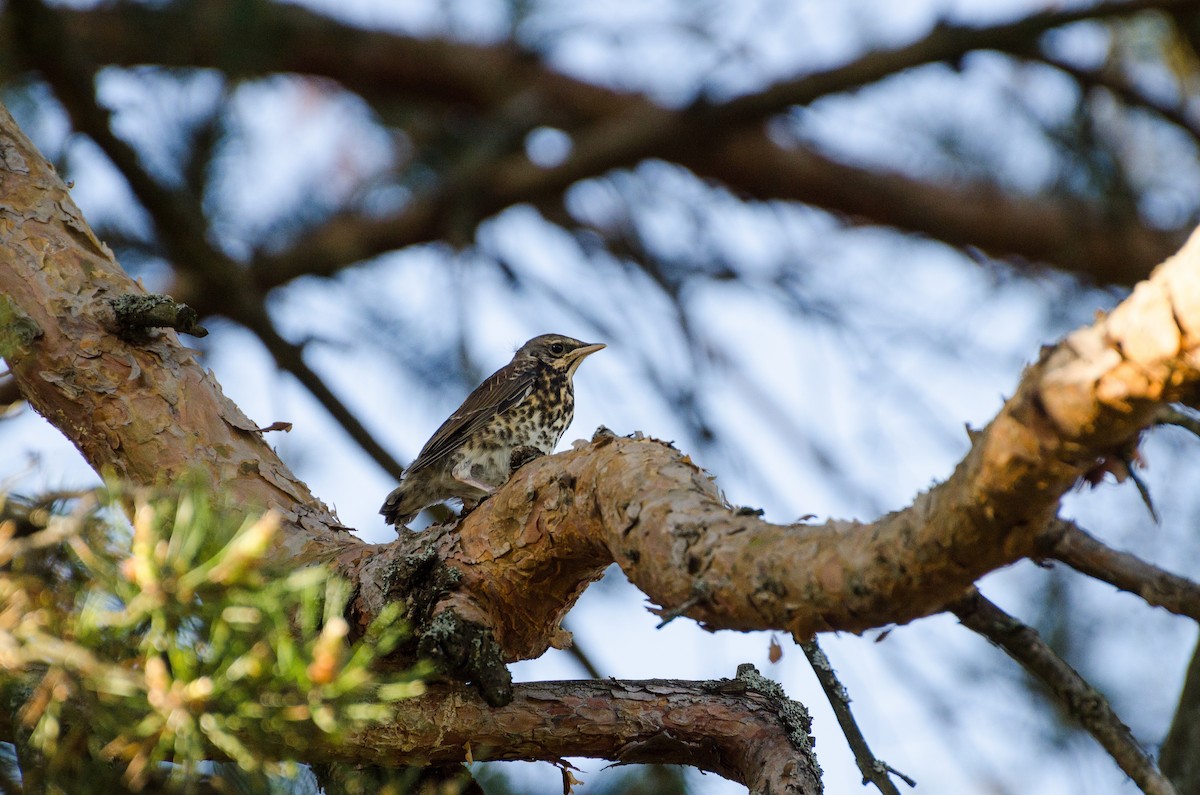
{"x": 521, "y": 456}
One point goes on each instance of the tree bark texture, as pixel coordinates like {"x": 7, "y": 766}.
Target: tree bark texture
{"x": 146, "y": 413}
{"x": 149, "y": 412}
{"x": 724, "y": 726}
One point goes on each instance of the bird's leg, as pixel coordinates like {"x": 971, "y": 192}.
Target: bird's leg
{"x": 462, "y": 472}
{"x": 521, "y": 456}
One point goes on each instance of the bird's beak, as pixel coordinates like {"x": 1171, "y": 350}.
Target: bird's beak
{"x": 576, "y": 357}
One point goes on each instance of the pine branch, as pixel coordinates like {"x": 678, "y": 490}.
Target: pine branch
{"x": 1082, "y": 701}
{"x": 1087, "y": 554}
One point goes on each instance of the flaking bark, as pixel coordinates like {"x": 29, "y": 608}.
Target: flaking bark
{"x": 724, "y": 726}
{"x": 149, "y": 412}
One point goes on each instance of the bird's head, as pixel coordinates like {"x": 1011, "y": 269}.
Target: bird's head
{"x": 561, "y": 353}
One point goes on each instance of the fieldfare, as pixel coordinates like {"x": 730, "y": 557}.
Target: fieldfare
{"x": 518, "y": 412}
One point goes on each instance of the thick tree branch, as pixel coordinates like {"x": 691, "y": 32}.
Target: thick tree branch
{"x": 653, "y": 511}
{"x": 177, "y": 216}
{"x": 229, "y": 36}
{"x": 726, "y": 727}
{"x": 149, "y": 412}
{"x": 1086, "y": 704}
{"x": 1087, "y": 554}
{"x": 145, "y": 413}
{"x": 1069, "y": 234}
{"x": 1072, "y": 235}
{"x": 561, "y": 520}
{"x": 721, "y": 141}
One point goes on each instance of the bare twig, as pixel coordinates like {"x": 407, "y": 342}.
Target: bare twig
{"x": 290, "y": 357}
{"x": 1143, "y": 489}
{"x": 1087, "y": 554}
{"x": 874, "y": 770}
{"x": 1124, "y": 90}
{"x": 1082, "y": 701}
{"x": 581, "y": 656}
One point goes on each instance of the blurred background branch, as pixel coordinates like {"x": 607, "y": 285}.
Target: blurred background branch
{"x": 1080, "y": 699}
{"x": 818, "y": 240}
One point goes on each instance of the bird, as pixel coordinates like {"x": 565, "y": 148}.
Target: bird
{"x": 517, "y": 413}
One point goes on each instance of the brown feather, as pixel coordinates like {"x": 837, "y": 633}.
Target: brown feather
{"x": 527, "y": 404}
{"x": 499, "y": 392}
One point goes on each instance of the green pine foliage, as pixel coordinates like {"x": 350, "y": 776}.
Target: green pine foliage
{"x": 139, "y": 654}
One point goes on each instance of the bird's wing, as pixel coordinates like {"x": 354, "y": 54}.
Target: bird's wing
{"x": 501, "y": 391}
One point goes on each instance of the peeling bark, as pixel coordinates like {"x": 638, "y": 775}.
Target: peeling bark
{"x": 525, "y": 555}
{"x": 147, "y": 413}
{"x": 726, "y": 727}
{"x": 515, "y": 565}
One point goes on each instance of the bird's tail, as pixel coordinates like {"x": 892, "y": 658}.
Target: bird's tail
{"x": 394, "y": 511}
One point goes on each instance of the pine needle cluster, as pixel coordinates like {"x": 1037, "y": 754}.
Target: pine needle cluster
{"x": 157, "y": 652}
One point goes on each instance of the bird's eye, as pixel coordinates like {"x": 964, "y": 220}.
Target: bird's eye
{"x": 557, "y": 348}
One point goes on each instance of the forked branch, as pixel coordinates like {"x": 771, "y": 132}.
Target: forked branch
{"x": 562, "y": 519}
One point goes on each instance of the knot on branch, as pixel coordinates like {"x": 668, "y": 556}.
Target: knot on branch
{"x": 17, "y": 330}
{"x": 792, "y": 714}
{"x": 462, "y": 649}
{"x": 137, "y": 313}
{"x": 468, "y": 651}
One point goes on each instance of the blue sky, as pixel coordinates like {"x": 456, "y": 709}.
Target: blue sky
{"x": 836, "y": 373}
